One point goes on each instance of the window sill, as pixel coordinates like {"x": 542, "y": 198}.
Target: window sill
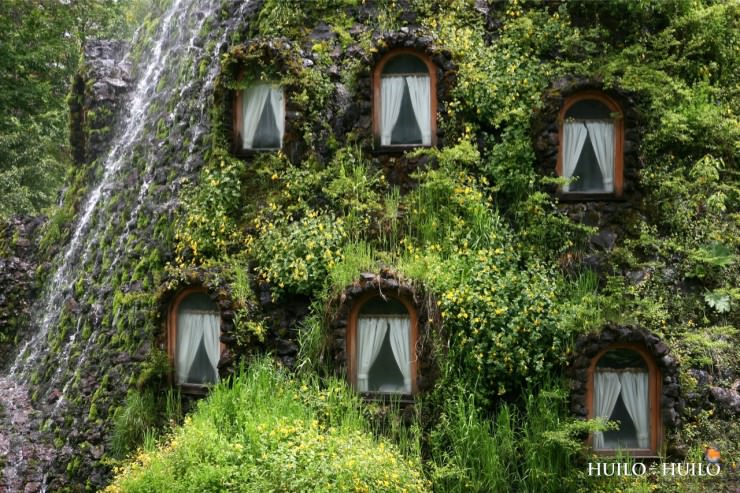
{"x": 387, "y": 397}
{"x": 399, "y": 149}
{"x": 195, "y": 389}
{"x": 634, "y": 453}
{"x": 246, "y": 153}
{"x": 590, "y": 197}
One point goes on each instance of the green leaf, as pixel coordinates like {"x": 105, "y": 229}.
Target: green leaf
{"x": 716, "y": 254}
{"x": 719, "y": 300}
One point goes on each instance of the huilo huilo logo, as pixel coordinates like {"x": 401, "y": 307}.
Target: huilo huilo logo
{"x": 710, "y": 467}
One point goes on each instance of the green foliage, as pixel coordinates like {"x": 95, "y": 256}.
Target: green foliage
{"x": 208, "y": 228}
{"x": 248, "y": 324}
{"x": 267, "y": 431}
{"x": 132, "y": 421}
{"x": 502, "y": 320}
{"x": 155, "y": 370}
{"x": 294, "y": 256}
{"x": 353, "y": 189}
{"x": 531, "y": 448}
{"x": 707, "y": 258}
{"x": 40, "y": 46}
{"x": 710, "y": 348}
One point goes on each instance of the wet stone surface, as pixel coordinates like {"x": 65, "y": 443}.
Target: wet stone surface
{"x": 24, "y": 450}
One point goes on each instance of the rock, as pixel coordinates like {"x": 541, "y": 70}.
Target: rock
{"x": 322, "y": 32}
{"x": 285, "y": 347}
{"x": 728, "y": 400}
{"x": 122, "y": 358}
{"x": 660, "y": 349}
{"x": 32, "y": 487}
{"x": 605, "y": 239}
{"x": 481, "y": 6}
{"x": 96, "y": 452}
{"x": 265, "y": 297}
{"x": 53, "y": 396}
{"x": 117, "y": 83}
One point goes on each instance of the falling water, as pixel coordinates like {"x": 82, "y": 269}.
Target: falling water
{"x": 120, "y": 150}
{"x": 206, "y": 85}
{"x": 176, "y": 42}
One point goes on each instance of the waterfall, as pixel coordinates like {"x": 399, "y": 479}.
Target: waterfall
{"x": 188, "y": 35}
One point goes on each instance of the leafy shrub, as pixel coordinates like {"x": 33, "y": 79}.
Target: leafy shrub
{"x": 265, "y": 431}
{"x": 209, "y": 227}
{"x": 502, "y": 320}
{"x": 294, "y": 255}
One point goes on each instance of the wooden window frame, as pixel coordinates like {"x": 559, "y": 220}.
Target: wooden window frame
{"x": 654, "y": 400}
{"x": 618, "y": 145}
{"x": 377, "y": 76}
{"x": 351, "y": 341}
{"x": 190, "y": 388}
{"x": 237, "y": 120}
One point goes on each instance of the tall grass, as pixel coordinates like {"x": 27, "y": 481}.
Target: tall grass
{"x": 133, "y": 421}
{"x": 141, "y": 418}
{"x": 525, "y": 448}
{"x": 390, "y": 224}
{"x": 471, "y": 453}
{"x": 357, "y": 256}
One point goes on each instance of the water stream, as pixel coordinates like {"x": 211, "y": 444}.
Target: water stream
{"x": 177, "y": 46}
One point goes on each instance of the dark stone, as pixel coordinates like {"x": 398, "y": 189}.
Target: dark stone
{"x": 578, "y": 409}
{"x": 265, "y": 297}
{"x": 668, "y": 361}
{"x": 671, "y": 390}
{"x": 286, "y": 347}
{"x": 322, "y": 32}
{"x": 96, "y": 452}
{"x": 391, "y": 284}
{"x": 660, "y": 349}
{"x": 581, "y": 362}
{"x": 32, "y": 487}
{"x": 728, "y": 400}
{"x": 122, "y": 358}
{"x": 605, "y": 239}
{"x": 637, "y": 276}
{"x": 142, "y": 352}
{"x": 53, "y": 396}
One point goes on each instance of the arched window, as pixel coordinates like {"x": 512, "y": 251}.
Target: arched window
{"x": 591, "y": 140}
{"x": 405, "y": 100}
{"x": 260, "y": 117}
{"x": 382, "y": 346}
{"x": 624, "y": 387}
{"x": 194, "y": 334}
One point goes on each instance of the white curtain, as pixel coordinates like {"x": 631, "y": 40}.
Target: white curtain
{"x": 602, "y": 139}
{"x": 575, "y": 136}
{"x": 419, "y": 88}
{"x": 391, "y": 95}
{"x": 606, "y": 390}
{"x": 635, "y": 398}
{"x": 192, "y": 327}
{"x": 401, "y": 345}
{"x": 253, "y": 103}
{"x": 371, "y": 332}
{"x": 278, "y": 109}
